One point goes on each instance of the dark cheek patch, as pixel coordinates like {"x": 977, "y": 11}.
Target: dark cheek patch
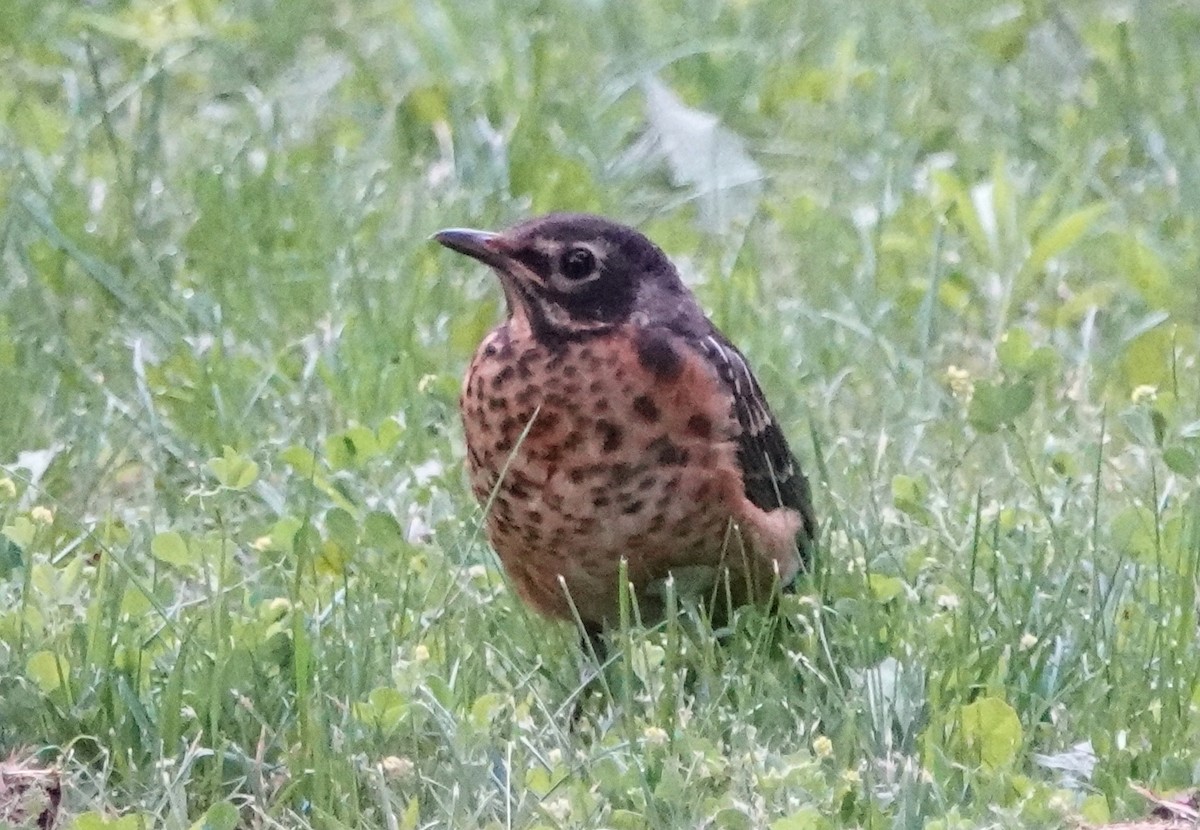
{"x": 657, "y": 354}
{"x": 535, "y": 261}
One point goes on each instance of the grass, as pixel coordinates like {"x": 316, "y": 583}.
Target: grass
{"x": 241, "y": 579}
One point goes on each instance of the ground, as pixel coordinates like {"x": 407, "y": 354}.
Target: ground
{"x": 242, "y": 579}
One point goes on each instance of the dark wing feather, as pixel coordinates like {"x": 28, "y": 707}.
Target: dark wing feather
{"x": 770, "y": 473}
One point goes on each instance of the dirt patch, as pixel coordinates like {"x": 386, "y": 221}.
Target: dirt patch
{"x": 30, "y": 792}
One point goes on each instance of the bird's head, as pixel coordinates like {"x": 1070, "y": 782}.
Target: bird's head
{"x": 571, "y": 274}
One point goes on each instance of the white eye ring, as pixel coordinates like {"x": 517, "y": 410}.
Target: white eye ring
{"x": 577, "y": 265}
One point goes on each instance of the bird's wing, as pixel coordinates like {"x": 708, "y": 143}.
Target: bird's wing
{"x": 770, "y": 473}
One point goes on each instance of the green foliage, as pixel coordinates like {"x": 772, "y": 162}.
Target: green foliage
{"x": 990, "y": 734}
{"x": 242, "y": 581}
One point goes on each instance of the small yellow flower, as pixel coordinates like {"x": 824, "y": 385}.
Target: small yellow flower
{"x": 261, "y": 543}
{"x": 1144, "y": 394}
{"x": 655, "y": 736}
{"x": 1028, "y": 641}
{"x": 1061, "y": 802}
{"x": 822, "y": 747}
{"x": 8, "y": 490}
{"x": 960, "y": 383}
{"x": 421, "y": 653}
{"x": 41, "y": 515}
{"x": 395, "y": 766}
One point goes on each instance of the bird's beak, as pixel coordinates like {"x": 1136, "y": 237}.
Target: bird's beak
{"x": 485, "y": 246}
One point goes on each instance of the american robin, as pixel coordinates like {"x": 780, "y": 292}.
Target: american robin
{"x": 608, "y": 419}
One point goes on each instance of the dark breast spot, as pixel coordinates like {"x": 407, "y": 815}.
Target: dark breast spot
{"x": 645, "y": 408}
{"x": 700, "y": 426}
{"x": 610, "y": 434}
{"x": 578, "y": 475}
{"x": 657, "y": 354}
{"x": 527, "y": 395}
{"x": 621, "y": 474}
{"x": 667, "y": 453}
{"x": 525, "y": 364}
{"x": 518, "y": 477}
{"x": 503, "y": 376}
{"x": 543, "y": 423}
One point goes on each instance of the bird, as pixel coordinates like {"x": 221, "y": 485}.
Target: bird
{"x": 613, "y": 432}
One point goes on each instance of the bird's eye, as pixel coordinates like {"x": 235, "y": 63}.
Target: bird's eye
{"x": 578, "y": 263}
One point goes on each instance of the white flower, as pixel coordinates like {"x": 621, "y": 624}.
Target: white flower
{"x": 559, "y": 809}
{"x": 948, "y": 602}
